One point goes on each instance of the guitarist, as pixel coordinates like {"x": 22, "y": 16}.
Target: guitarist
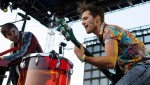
{"x": 26, "y": 43}
{"x": 121, "y": 47}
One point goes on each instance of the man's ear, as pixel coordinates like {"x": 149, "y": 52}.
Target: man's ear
{"x": 97, "y": 18}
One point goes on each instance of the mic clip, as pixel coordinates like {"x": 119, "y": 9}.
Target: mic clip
{"x": 24, "y": 16}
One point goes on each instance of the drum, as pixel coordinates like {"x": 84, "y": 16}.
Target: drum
{"x": 42, "y": 69}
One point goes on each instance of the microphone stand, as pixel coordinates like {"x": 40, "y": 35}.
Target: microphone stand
{"x": 25, "y": 18}
{"x": 24, "y": 24}
{"x": 14, "y": 22}
{"x": 61, "y": 48}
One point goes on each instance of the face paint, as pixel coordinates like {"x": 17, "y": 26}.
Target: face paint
{"x": 90, "y": 22}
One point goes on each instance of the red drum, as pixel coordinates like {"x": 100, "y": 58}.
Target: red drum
{"x": 42, "y": 69}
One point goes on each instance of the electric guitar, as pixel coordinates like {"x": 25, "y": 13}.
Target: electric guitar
{"x": 68, "y": 34}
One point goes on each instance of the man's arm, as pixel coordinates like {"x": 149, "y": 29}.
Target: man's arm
{"x": 28, "y": 44}
{"x": 105, "y": 62}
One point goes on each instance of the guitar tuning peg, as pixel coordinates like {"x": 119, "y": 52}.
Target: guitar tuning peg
{"x": 58, "y": 28}
{"x": 67, "y": 34}
{"x": 69, "y": 28}
{"x": 65, "y": 24}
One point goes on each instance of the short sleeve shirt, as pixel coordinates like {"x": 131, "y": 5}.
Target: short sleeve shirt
{"x": 131, "y": 50}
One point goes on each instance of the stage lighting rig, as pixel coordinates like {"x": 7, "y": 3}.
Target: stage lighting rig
{"x": 4, "y": 5}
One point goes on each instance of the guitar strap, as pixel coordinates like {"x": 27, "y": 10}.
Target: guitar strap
{"x": 119, "y": 72}
{"x": 101, "y": 36}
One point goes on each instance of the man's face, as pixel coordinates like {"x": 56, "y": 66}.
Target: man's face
{"x": 13, "y": 34}
{"x": 89, "y": 22}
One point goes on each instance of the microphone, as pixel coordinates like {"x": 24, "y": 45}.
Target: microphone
{"x": 24, "y": 16}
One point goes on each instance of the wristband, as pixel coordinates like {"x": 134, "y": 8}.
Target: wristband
{"x": 82, "y": 58}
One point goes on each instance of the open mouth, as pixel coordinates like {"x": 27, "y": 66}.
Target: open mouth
{"x": 85, "y": 26}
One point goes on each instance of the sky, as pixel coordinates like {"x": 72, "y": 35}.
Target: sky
{"x": 126, "y": 18}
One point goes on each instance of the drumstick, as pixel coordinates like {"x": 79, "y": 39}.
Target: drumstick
{"x": 9, "y": 50}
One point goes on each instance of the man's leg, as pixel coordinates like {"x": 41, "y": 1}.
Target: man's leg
{"x": 2, "y": 74}
{"x": 136, "y": 76}
{"x": 13, "y": 75}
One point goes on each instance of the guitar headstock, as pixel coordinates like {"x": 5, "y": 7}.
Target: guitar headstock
{"x": 65, "y": 29}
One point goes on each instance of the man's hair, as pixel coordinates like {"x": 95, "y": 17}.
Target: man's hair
{"x": 6, "y": 27}
{"x": 94, "y": 9}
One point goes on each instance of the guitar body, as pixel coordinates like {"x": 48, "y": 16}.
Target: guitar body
{"x": 68, "y": 34}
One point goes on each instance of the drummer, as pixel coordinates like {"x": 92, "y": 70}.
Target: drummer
{"x": 26, "y": 42}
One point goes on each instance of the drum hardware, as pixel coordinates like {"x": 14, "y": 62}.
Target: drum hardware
{"x": 37, "y": 59}
{"x": 61, "y": 48}
{"x": 71, "y": 68}
{"x": 71, "y": 72}
{"x": 58, "y": 63}
{"x": 54, "y": 54}
{"x": 58, "y": 66}
{"x": 22, "y": 64}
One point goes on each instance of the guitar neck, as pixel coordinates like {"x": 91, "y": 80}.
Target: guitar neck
{"x": 77, "y": 43}
{"x": 108, "y": 74}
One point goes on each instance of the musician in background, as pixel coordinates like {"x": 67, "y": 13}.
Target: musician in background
{"x": 26, "y": 43}
{"x": 121, "y": 47}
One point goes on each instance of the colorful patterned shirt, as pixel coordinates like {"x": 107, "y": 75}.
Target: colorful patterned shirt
{"x": 28, "y": 44}
{"x": 131, "y": 51}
